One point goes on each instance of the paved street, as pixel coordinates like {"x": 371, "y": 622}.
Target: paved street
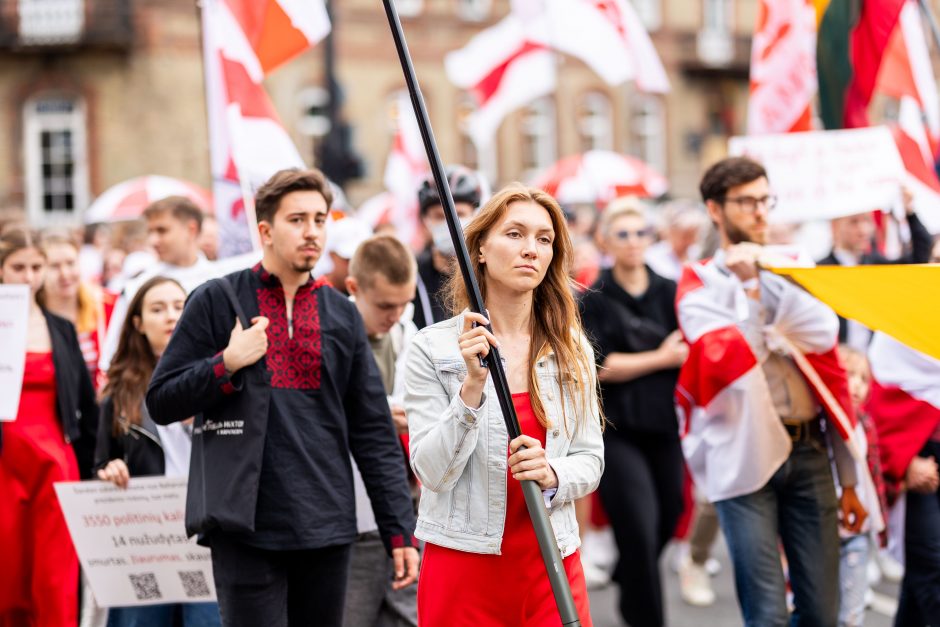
{"x": 725, "y": 612}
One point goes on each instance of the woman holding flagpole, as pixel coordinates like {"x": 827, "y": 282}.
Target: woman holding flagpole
{"x": 482, "y": 564}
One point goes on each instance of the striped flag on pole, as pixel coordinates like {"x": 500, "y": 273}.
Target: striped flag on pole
{"x": 242, "y": 41}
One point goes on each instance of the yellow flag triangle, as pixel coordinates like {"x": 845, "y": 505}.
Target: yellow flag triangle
{"x": 900, "y": 300}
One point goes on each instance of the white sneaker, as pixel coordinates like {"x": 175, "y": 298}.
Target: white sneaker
{"x": 594, "y": 577}
{"x": 891, "y": 569}
{"x": 712, "y": 567}
{"x": 695, "y": 585}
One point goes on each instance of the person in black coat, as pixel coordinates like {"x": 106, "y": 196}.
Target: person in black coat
{"x": 281, "y": 399}
{"x": 630, "y": 315}
{"x": 852, "y": 238}
{"x": 50, "y": 440}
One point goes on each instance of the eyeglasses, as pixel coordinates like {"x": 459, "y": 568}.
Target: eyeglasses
{"x": 749, "y": 204}
{"x": 624, "y": 234}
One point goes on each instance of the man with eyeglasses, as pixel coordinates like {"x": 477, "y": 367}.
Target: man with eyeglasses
{"x": 757, "y": 400}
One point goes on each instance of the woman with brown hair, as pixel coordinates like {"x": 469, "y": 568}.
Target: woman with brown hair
{"x": 482, "y": 564}
{"x": 130, "y": 444}
{"x": 52, "y": 439}
{"x": 64, "y": 294}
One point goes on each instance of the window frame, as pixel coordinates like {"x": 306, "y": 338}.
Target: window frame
{"x": 35, "y": 123}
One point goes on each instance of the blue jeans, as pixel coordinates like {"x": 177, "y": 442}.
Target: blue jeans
{"x": 797, "y": 506}
{"x": 194, "y": 615}
{"x": 853, "y": 579}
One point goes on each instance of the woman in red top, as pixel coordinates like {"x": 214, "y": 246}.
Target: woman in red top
{"x": 51, "y": 439}
{"x": 482, "y": 565}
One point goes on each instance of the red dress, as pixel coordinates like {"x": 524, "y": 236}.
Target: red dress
{"x": 457, "y": 588}
{"x": 39, "y": 573}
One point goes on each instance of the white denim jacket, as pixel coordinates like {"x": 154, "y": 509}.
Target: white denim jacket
{"x": 460, "y": 454}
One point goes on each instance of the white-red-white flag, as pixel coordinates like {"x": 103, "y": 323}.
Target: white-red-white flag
{"x": 279, "y": 30}
{"x": 904, "y": 402}
{"x": 248, "y": 143}
{"x": 783, "y": 67}
{"x": 607, "y": 35}
{"x": 406, "y": 167}
{"x": 504, "y": 70}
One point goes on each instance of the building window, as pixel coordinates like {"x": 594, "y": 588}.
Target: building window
{"x": 539, "y": 136}
{"x": 650, "y": 13}
{"x": 474, "y": 10}
{"x": 483, "y": 161}
{"x": 648, "y": 126}
{"x": 55, "y": 157}
{"x": 409, "y": 8}
{"x": 51, "y": 21}
{"x": 595, "y": 122}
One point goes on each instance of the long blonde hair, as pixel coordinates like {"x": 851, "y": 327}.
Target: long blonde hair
{"x": 87, "y": 317}
{"x": 555, "y": 321}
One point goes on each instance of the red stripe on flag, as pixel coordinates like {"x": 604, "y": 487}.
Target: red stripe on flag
{"x": 249, "y": 95}
{"x": 716, "y": 360}
{"x": 904, "y": 425}
{"x": 913, "y": 158}
{"x": 488, "y": 86}
{"x": 269, "y": 30}
{"x": 689, "y": 281}
{"x": 829, "y": 368}
{"x": 866, "y": 49}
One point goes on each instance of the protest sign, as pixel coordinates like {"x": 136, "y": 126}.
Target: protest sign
{"x": 820, "y": 175}
{"x": 14, "y": 316}
{"x": 132, "y": 543}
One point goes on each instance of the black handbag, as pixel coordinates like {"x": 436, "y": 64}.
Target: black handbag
{"x": 228, "y": 448}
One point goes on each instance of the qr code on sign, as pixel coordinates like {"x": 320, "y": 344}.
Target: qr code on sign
{"x": 194, "y": 583}
{"x": 145, "y": 587}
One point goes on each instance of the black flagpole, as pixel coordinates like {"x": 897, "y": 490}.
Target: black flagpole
{"x": 533, "y": 494}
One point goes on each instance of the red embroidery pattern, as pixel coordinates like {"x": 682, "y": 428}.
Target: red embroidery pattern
{"x": 295, "y": 362}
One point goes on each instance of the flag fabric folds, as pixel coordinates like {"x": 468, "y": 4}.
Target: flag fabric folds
{"x": 406, "y": 167}
{"x": 899, "y": 300}
{"x": 783, "y": 67}
{"x": 512, "y": 63}
{"x": 504, "y": 70}
{"x": 242, "y": 41}
{"x": 852, "y": 38}
{"x": 904, "y": 402}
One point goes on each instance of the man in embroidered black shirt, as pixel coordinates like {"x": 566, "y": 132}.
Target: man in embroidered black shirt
{"x": 325, "y": 398}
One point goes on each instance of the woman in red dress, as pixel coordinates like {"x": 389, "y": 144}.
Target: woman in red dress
{"x": 50, "y": 440}
{"x": 482, "y": 564}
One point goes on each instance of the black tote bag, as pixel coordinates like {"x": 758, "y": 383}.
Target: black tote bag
{"x": 228, "y": 448}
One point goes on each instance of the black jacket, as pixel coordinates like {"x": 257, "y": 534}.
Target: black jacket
{"x": 618, "y": 322}
{"x": 140, "y": 447}
{"x": 75, "y": 394}
{"x": 921, "y": 247}
{"x": 325, "y": 398}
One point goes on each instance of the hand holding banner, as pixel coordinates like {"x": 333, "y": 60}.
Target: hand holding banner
{"x": 132, "y": 543}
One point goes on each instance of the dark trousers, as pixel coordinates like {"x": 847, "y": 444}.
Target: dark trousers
{"x": 797, "y": 507}
{"x": 259, "y": 588}
{"x": 641, "y": 490}
{"x": 920, "y": 590}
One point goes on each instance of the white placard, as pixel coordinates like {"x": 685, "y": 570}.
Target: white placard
{"x": 827, "y": 174}
{"x": 14, "y": 319}
{"x": 132, "y": 543}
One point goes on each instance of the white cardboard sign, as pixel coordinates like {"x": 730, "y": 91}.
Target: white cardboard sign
{"x": 821, "y": 175}
{"x": 132, "y": 542}
{"x": 14, "y": 318}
